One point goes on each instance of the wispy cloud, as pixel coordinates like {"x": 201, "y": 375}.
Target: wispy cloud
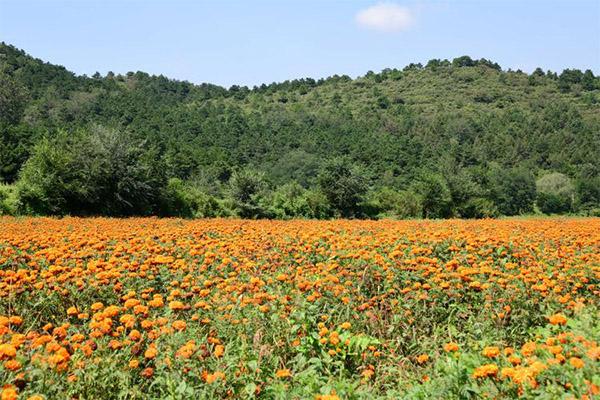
{"x": 386, "y": 17}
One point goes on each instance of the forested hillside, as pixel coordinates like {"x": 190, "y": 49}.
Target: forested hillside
{"x": 460, "y": 138}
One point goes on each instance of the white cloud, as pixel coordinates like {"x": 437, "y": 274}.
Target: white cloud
{"x": 386, "y": 17}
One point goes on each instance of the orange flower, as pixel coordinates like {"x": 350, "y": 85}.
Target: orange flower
{"x": 346, "y": 325}
{"x": 219, "y": 351}
{"x": 179, "y": 325}
{"x": 485, "y": 371}
{"x": 12, "y": 365}
{"x": 211, "y": 378}
{"x": 150, "y": 352}
{"x": 557, "y": 319}
{"x": 422, "y": 359}
{"x": 9, "y": 392}
{"x": 576, "y": 362}
{"x": 491, "y": 352}
{"x": 283, "y": 373}
{"x": 176, "y": 305}
{"x": 451, "y": 347}
{"x": 7, "y": 351}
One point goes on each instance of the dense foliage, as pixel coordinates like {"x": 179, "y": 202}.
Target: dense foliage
{"x": 448, "y": 139}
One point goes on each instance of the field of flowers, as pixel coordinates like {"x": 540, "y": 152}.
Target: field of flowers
{"x": 168, "y": 309}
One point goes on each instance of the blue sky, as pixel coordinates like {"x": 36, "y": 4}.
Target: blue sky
{"x": 251, "y": 42}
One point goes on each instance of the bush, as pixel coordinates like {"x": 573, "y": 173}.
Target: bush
{"x": 183, "y": 200}
{"x": 344, "y": 185}
{"x": 479, "y": 208}
{"x": 9, "y": 200}
{"x": 387, "y": 202}
{"x": 555, "y": 193}
{"x": 99, "y": 171}
{"x": 318, "y": 205}
{"x": 513, "y": 191}
{"x": 247, "y": 189}
{"x": 435, "y": 195}
{"x": 289, "y": 201}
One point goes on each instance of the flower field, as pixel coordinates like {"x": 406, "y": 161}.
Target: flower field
{"x": 165, "y": 308}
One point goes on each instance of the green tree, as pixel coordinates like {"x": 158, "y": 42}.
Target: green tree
{"x": 247, "y": 189}
{"x": 555, "y": 193}
{"x": 98, "y": 171}
{"x": 344, "y": 185}
{"x": 512, "y": 190}
{"x": 436, "y": 198}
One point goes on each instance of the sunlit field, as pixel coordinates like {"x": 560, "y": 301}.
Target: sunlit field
{"x": 165, "y": 308}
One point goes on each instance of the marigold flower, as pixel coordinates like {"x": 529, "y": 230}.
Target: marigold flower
{"x": 557, "y": 319}
{"x": 150, "y": 352}
{"x": 576, "y": 362}
{"x": 7, "y": 350}
{"x": 283, "y": 373}
{"x": 346, "y": 325}
{"x": 491, "y": 352}
{"x": 179, "y": 325}
{"x": 485, "y": 371}
{"x": 9, "y": 392}
{"x": 12, "y": 365}
{"x": 211, "y": 378}
{"x": 176, "y": 305}
{"x": 422, "y": 359}
{"x": 450, "y": 347}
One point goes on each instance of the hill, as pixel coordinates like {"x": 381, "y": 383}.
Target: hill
{"x": 450, "y": 138}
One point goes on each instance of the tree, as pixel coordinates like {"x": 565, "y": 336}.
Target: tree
{"x": 344, "y": 184}
{"x": 555, "y": 193}
{"x": 246, "y": 189}
{"x": 512, "y": 190}
{"x": 464, "y": 61}
{"x": 13, "y": 99}
{"x": 436, "y": 198}
{"x": 97, "y": 171}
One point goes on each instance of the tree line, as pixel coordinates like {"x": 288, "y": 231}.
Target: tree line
{"x": 460, "y": 138}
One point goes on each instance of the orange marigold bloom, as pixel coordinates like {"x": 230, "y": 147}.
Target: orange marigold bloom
{"x": 12, "y": 365}
{"x": 9, "y": 392}
{"x": 211, "y": 378}
{"x": 7, "y": 350}
{"x": 557, "y": 319}
{"x": 514, "y": 360}
{"x": 422, "y": 359}
{"x": 576, "y": 362}
{"x": 485, "y": 371}
{"x": 176, "y": 305}
{"x": 179, "y": 325}
{"x": 135, "y": 335}
{"x": 219, "y": 350}
{"x": 491, "y": 352}
{"x": 450, "y": 347}
{"x": 346, "y": 325}
{"x": 151, "y": 352}
{"x": 283, "y": 373}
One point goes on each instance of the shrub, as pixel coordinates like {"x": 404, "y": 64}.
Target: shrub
{"x": 435, "y": 195}
{"x": 555, "y": 193}
{"x": 9, "y": 200}
{"x": 344, "y": 185}
{"x": 387, "y": 202}
{"x": 247, "y": 189}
